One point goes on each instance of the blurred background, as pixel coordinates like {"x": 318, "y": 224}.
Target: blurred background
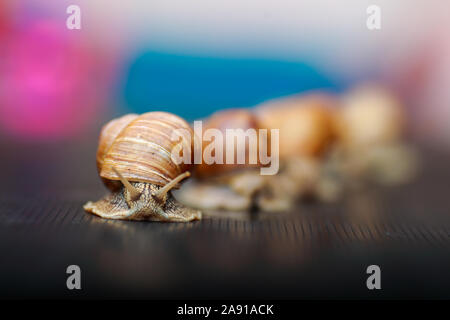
{"x": 194, "y": 57}
{"x": 59, "y": 86}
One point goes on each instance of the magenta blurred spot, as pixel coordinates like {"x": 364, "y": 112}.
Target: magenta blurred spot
{"x": 48, "y": 82}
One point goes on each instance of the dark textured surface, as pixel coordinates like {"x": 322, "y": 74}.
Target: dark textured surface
{"x": 316, "y": 251}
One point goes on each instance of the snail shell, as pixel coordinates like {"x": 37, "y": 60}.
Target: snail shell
{"x": 141, "y": 151}
{"x": 108, "y": 134}
{"x": 223, "y": 120}
{"x": 226, "y": 186}
{"x": 137, "y": 150}
{"x": 306, "y": 123}
{"x": 370, "y": 115}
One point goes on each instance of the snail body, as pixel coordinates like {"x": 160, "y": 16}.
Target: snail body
{"x": 134, "y": 161}
{"x": 306, "y": 125}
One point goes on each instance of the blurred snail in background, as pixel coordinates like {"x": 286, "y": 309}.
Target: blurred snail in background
{"x": 228, "y": 186}
{"x": 305, "y": 122}
{"x": 307, "y": 131}
{"x": 134, "y": 161}
{"x": 370, "y": 127}
{"x": 231, "y": 119}
{"x": 370, "y": 115}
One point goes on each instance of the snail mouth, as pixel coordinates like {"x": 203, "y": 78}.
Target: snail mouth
{"x": 116, "y": 206}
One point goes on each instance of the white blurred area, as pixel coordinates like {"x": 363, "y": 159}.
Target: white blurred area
{"x": 284, "y": 29}
{"x": 411, "y": 52}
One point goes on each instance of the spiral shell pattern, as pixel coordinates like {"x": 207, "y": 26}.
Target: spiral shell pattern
{"x": 142, "y": 150}
{"x": 109, "y": 133}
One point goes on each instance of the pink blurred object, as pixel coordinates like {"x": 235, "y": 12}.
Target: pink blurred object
{"x": 422, "y": 78}
{"x": 3, "y": 20}
{"x": 435, "y": 96}
{"x": 50, "y": 82}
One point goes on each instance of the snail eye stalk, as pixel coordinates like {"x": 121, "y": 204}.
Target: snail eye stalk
{"x": 135, "y": 194}
{"x": 162, "y": 192}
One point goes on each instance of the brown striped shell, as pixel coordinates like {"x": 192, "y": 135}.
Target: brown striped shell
{"x": 140, "y": 147}
{"x": 109, "y": 133}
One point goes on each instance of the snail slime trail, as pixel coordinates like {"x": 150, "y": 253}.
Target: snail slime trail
{"x": 134, "y": 162}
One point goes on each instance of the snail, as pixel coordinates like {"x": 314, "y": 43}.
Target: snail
{"x": 370, "y": 115}
{"x": 232, "y": 119}
{"x": 370, "y": 124}
{"x": 243, "y": 178}
{"x": 229, "y": 186}
{"x": 307, "y": 132}
{"x": 134, "y": 161}
{"x": 306, "y": 123}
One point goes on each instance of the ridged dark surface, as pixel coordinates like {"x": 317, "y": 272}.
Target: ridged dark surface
{"x": 316, "y": 251}
{"x": 318, "y": 224}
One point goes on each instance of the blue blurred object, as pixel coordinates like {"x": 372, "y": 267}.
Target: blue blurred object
{"x": 194, "y": 87}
